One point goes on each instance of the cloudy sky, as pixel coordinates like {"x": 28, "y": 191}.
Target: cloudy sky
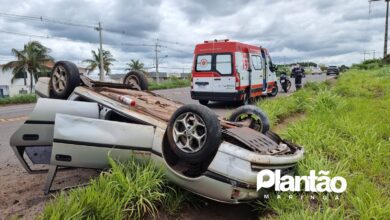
{"x": 328, "y": 32}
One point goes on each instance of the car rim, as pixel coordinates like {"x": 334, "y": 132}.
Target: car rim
{"x": 133, "y": 81}
{"x": 250, "y": 120}
{"x": 59, "y": 79}
{"x": 189, "y": 132}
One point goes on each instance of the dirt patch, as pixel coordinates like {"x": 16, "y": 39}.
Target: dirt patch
{"x": 286, "y": 121}
{"x": 208, "y": 209}
{"x": 21, "y": 194}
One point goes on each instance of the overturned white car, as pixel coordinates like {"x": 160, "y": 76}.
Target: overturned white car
{"x": 215, "y": 158}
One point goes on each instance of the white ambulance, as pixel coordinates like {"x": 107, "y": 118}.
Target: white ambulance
{"x": 224, "y": 70}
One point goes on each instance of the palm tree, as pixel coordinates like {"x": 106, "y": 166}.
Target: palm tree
{"x": 31, "y": 60}
{"x": 135, "y": 65}
{"x": 95, "y": 61}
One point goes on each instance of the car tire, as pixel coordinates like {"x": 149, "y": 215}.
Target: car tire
{"x": 204, "y": 102}
{"x": 65, "y": 77}
{"x": 275, "y": 91}
{"x": 286, "y": 88}
{"x": 194, "y": 133}
{"x": 258, "y": 119}
{"x": 137, "y": 79}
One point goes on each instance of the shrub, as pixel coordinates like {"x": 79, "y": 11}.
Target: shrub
{"x": 19, "y": 99}
{"x": 129, "y": 190}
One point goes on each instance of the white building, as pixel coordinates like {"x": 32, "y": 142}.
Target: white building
{"x": 10, "y": 89}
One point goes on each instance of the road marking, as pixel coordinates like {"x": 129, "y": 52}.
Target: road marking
{"x": 3, "y": 120}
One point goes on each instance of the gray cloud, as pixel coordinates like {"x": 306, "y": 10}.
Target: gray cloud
{"x": 299, "y": 29}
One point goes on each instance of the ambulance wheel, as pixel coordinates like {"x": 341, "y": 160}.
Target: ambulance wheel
{"x": 64, "y": 79}
{"x": 203, "y": 102}
{"x": 275, "y": 91}
{"x": 252, "y": 117}
{"x": 137, "y": 80}
{"x": 194, "y": 133}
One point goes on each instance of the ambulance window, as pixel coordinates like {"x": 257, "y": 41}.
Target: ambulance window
{"x": 256, "y": 61}
{"x": 203, "y": 63}
{"x": 224, "y": 64}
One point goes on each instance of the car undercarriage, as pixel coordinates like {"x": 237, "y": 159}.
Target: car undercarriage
{"x": 214, "y": 157}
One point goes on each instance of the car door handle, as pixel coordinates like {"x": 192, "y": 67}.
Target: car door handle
{"x": 217, "y": 79}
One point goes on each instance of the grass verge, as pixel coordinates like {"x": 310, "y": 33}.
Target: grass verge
{"x": 19, "y": 99}
{"x": 169, "y": 84}
{"x": 347, "y": 132}
{"x": 130, "y": 190}
{"x": 286, "y": 106}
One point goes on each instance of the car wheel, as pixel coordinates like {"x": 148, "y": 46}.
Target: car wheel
{"x": 137, "y": 80}
{"x": 275, "y": 91}
{"x": 252, "y": 117}
{"x": 203, "y": 102}
{"x": 64, "y": 79}
{"x": 194, "y": 133}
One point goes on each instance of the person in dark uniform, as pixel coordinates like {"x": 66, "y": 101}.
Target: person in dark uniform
{"x": 298, "y": 73}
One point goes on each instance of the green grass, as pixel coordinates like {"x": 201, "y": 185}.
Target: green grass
{"x": 19, "y": 99}
{"x": 130, "y": 190}
{"x": 346, "y": 131}
{"x": 283, "y": 107}
{"x": 170, "y": 83}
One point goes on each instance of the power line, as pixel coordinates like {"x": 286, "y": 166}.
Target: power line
{"x": 142, "y": 45}
{"x": 95, "y": 27}
{"x": 175, "y": 43}
{"x": 44, "y": 19}
{"x": 39, "y": 36}
{"x": 178, "y": 50}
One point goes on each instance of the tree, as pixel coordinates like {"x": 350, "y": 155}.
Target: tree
{"x": 95, "y": 61}
{"x": 135, "y": 65}
{"x": 31, "y": 60}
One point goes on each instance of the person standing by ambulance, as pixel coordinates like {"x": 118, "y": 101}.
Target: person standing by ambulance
{"x": 298, "y": 73}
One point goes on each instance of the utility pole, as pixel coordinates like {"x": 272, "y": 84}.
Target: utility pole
{"x": 366, "y": 52}
{"x": 101, "y": 53}
{"x": 156, "y": 51}
{"x": 386, "y": 24}
{"x": 386, "y": 29}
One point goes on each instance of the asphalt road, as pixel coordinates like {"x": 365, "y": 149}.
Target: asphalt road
{"x": 18, "y": 112}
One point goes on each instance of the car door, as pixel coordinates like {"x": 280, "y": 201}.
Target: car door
{"x": 86, "y": 142}
{"x": 224, "y": 81}
{"x": 202, "y": 76}
{"x": 265, "y": 70}
{"x": 34, "y": 138}
{"x": 257, "y": 74}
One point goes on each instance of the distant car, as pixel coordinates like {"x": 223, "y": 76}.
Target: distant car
{"x": 333, "y": 70}
{"x": 316, "y": 70}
